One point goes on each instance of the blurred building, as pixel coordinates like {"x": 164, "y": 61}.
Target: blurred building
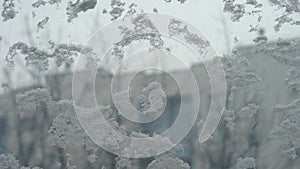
{"x": 271, "y": 72}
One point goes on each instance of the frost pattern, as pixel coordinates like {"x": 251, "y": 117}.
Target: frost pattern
{"x": 66, "y": 131}
{"x": 166, "y": 161}
{"x": 9, "y": 161}
{"x": 249, "y": 110}
{"x": 143, "y": 29}
{"x": 176, "y": 29}
{"x": 92, "y": 158}
{"x": 293, "y": 79}
{"x": 238, "y": 10}
{"x": 290, "y": 14}
{"x": 286, "y": 52}
{"x": 32, "y": 101}
{"x": 229, "y": 118}
{"x": 239, "y": 77}
{"x": 286, "y": 132}
{"x": 123, "y": 163}
{"x": 239, "y": 74}
{"x": 161, "y": 143}
{"x": 245, "y": 163}
{"x": 39, "y": 58}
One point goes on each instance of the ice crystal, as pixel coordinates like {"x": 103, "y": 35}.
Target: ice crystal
{"x": 42, "y": 23}
{"x": 253, "y": 28}
{"x": 9, "y": 11}
{"x": 54, "y": 2}
{"x": 39, "y": 3}
{"x": 5, "y": 85}
{"x": 251, "y": 2}
{"x": 77, "y": 6}
{"x": 260, "y": 39}
{"x": 286, "y": 132}
{"x": 131, "y": 9}
{"x": 246, "y": 163}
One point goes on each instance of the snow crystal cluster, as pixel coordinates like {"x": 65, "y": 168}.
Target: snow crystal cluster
{"x": 290, "y": 14}
{"x": 152, "y": 98}
{"x": 240, "y": 78}
{"x": 33, "y": 101}
{"x": 176, "y": 28}
{"x": 286, "y": 52}
{"x": 286, "y": 131}
{"x": 118, "y": 8}
{"x": 143, "y": 29}
{"x": 39, "y": 3}
{"x": 9, "y": 11}
{"x": 39, "y": 58}
{"x": 9, "y": 161}
{"x": 65, "y": 131}
{"x": 76, "y": 6}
